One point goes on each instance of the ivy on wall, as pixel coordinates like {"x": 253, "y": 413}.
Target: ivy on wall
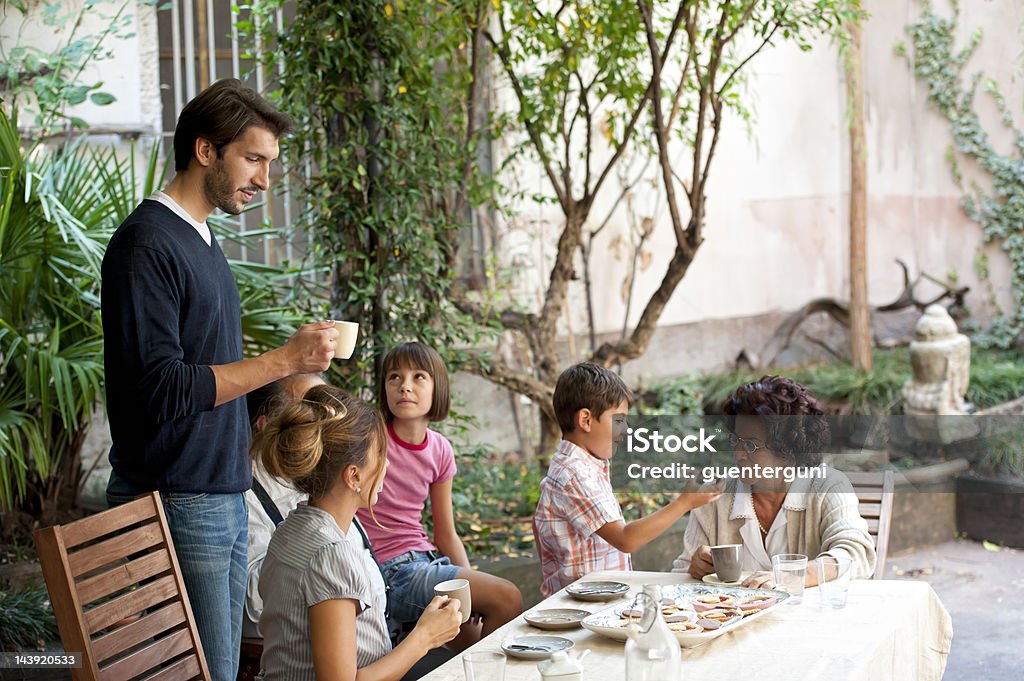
{"x": 998, "y": 207}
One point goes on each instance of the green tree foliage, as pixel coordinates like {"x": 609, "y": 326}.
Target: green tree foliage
{"x": 395, "y": 128}
{"x": 603, "y": 86}
{"x": 381, "y": 95}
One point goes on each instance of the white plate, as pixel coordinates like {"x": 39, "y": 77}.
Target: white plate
{"x": 551, "y": 644}
{"x": 713, "y": 579}
{"x": 597, "y": 591}
{"x": 556, "y": 618}
{"x": 606, "y": 622}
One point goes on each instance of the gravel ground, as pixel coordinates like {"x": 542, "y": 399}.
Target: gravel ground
{"x": 983, "y": 591}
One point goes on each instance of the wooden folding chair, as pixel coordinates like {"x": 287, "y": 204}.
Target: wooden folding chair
{"x": 119, "y": 598}
{"x": 874, "y": 492}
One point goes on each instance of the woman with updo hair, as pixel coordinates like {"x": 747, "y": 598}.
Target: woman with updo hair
{"x": 322, "y": 619}
{"x": 776, "y": 424}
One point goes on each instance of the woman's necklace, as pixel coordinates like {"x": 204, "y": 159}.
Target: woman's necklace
{"x": 758, "y": 518}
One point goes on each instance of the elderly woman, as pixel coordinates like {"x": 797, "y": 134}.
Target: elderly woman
{"x": 776, "y": 424}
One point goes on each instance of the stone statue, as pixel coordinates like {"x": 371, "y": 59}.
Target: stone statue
{"x": 941, "y": 360}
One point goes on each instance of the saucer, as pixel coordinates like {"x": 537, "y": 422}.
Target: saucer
{"x": 556, "y": 618}
{"x": 535, "y": 647}
{"x": 713, "y": 579}
{"x": 597, "y": 591}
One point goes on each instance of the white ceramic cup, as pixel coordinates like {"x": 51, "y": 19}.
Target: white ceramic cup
{"x": 346, "y": 343}
{"x": 457, "y": 589}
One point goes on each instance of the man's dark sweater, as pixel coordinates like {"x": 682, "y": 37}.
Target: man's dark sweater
{"x": 171, "y": 311}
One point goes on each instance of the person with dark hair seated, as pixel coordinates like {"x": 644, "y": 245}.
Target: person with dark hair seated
{"x": 776, "y": 424}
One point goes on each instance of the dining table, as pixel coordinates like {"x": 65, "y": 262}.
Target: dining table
{"x": 888, "y": 630}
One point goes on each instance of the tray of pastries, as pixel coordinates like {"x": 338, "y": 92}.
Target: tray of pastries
{"x": 695, "y": 613}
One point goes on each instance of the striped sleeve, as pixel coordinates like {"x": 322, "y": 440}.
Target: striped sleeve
{"x": 331, "y": 575}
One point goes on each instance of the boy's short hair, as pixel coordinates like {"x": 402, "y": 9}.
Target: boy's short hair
{"x": 587, "y": 386}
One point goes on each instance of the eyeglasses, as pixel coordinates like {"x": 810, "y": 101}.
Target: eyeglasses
{"x": 750, "y": 445}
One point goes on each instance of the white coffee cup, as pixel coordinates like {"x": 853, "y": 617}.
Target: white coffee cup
{"x": 346, "y": 343}
{"x": 457, "y": 589}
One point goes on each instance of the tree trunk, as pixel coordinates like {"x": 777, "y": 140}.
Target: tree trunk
{"x": 550, "y": 434}
{"x": 860, "y": 312}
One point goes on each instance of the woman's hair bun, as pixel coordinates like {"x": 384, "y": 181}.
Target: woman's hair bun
{"x": 311, "y": 440}
{"x": 290, "y": 446}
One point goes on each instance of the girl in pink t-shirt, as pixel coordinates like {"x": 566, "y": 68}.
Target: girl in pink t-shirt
{"x": 414, "y": 392}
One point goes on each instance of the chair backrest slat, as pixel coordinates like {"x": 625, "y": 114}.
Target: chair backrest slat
{"x": 149, "y": 626}
{"x": 874, "y": 492}
{"x": 129, "y": 604}
{"x": 184, "y": 669}
{"x": 869, "y": 495}
{"x": 123, "y": 576}
{"x": 148, "y": 657}
{"x": 102, "y": 524}
{"x": 104, "y": 552}
{"x": 869, "y": 509}
{"x": 105, "y": 569}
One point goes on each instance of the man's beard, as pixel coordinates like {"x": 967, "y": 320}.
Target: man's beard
{"x": 220, "y": 191}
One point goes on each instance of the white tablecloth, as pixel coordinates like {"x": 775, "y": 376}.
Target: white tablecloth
{"x": 888, "y": 630}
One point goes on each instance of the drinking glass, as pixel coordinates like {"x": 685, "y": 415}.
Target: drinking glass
{"x": 833, "y": 580}
{"x": 790, "y": 569}
{"x": 484, "y": 666}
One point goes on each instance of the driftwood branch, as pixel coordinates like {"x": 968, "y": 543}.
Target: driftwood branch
{"x": 840, "y": 311}
{"x": 906, "y": 297}
{"x": 783, "y": 336}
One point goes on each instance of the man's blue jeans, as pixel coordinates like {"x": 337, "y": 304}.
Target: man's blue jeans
{"x": 210, "y": 534}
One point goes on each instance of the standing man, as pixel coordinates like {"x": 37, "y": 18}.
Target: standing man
{"x": 173, "y": 354}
